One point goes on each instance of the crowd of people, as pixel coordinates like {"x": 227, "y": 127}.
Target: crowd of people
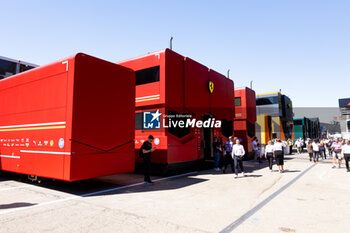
{"x": 232, "y": 153}
{"x": 337, "y": 149}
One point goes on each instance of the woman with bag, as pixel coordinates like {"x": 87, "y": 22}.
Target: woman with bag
{"x": 279, "y": 156}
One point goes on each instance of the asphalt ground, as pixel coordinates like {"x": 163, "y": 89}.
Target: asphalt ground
{"x": 308, "y": 197}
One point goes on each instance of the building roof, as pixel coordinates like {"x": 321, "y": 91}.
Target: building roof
{"x": 269, "y": 93}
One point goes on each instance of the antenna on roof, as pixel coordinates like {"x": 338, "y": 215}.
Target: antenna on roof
{"x": 171, "y": 43}
{"x": 228, "y": 73}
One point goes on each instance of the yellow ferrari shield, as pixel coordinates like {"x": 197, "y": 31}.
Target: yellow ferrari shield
{"x": 211, "y": 86}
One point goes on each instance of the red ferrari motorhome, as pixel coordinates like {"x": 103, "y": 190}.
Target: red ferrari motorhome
{"x": 70, "y": 120}
{"x": 172, "y": 88}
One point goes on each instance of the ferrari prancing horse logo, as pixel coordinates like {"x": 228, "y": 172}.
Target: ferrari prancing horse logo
{"x": 211, "y": 87}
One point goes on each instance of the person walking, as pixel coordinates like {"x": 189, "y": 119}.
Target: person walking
{"x": 221, "y": 157}
{"x": 269, "y": 154}
{"x": 238, "y": 154}
{"x": 329, "y": 148}
{"x": 316, "y": 150}
{"x": 336, "y": 147}
{"x": 298, "y": 145}
{"x": 346, "y": 153}
{"x": 323, "y": 150}
{"x": 256, "y": 149}
{"x": 290, "y": 144}
{"x": 303, "y": 144}
{"x": 309, "y": 149}
{"x": 216, "y": 146}
{"x": 278, "y": 153}
{"x": 285, "y": 147}
{"x": 228, "y": 155}
{"x": 145, "y": 153}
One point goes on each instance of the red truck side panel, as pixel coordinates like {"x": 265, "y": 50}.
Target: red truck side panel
{"x": 174, "y": 81}
{"x": 245, "y": 114}
{"x": 251, "y": 105}
{"x": 51, "y": 133}
{"x": 221, "y": 100}
{"x": 102, "y": 129}
{"x": 247, "y": 110}
{"x": 196, "y": 87}
{"x": 33, "y": 119}
{"x": 180, "y": 152}
{"x": 151, "y": 93}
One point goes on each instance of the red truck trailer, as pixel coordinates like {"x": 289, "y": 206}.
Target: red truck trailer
{"x": 70, "y": 120}
{"x": 170, "y": 86}
{"x": 245, "y": 117}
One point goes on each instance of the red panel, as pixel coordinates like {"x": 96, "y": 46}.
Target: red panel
{"x": 181, "y": 152}
{"x": 97, "y": 163}
{"x": 174, "y": 80}
{"x": 240, "y": 125}
{"x": 241, "y": 111}
{"x": 37, "y": 111}
{"x": 247, "y": 110}
{"x": 197, "y": 93}
{"x": 148, "y": 94}
{"x": 152, "y": 93}
{"x": 104, "y": 121}
{"x": 251, "y": 105}
{"x": 33, "y": 119}
{"x": 169, "y": 89}
{"x": 222, "y": 98}
{"x": 109, "y": 109}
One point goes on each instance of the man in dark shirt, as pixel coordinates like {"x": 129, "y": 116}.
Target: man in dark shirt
{"x": 145, "y": 153}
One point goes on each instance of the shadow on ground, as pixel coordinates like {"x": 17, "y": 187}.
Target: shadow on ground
{"x": 16, "y": 205}
{"x": 114, "y": 183}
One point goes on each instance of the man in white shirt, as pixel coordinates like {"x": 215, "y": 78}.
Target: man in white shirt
{"x": 238, "y": 154}
{"x": 346, "y": 154}
{"x": 269, "y": 154}
{"x": 298, "y": 145}
{"x": 316, "y": 150}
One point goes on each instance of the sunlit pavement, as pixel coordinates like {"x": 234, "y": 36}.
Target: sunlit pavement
{"x": 308, "y": 197}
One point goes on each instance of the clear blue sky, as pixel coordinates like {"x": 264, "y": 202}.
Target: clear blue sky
{"x": 299, "y": 46}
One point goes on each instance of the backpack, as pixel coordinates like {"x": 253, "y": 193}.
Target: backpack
{"x": 228, "y": 146}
